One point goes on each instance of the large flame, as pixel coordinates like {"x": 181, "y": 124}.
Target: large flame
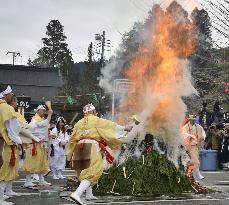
{"x": 161, "y": 72}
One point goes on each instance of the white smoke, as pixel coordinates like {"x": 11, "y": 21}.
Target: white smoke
{"x": 172, "y": 116}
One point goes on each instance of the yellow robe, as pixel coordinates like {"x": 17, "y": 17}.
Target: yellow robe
{"x": 37, "y": 164}
{"x": 7, "y": 172}
{"x": 97, "y": 128}
{"x": 26, "y": 131}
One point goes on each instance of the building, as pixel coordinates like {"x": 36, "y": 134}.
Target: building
{"x": 39, "y": 84}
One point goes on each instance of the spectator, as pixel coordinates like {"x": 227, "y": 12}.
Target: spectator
{"x": 204, "y": 116}
{"x": 226, "y": 117}
{"x": 213, "y": 138}
{"x": 217, "y": 115}
{"x": 224, "y": 149}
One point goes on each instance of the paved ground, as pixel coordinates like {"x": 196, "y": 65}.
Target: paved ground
{"x": 217, "y": 180}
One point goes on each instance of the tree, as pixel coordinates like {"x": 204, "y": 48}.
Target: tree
{"x": 90, "y": 53}
{"x": 201, "y": 20}
{"x": 30, "y": 63}
{"x": 55, "y": 46}
{"x": 55, "y": 53}
{"x": 90, "y": 76}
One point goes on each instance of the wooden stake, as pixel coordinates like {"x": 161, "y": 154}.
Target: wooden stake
{"x": 133, "y": 188}
{"x": 112, "y": 190}
{"x": 124, "y": 172}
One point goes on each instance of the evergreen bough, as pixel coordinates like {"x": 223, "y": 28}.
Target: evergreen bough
{"x": 153, "y": 176}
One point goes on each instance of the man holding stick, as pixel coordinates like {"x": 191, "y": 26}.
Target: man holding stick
{"x": 36, "y": 159}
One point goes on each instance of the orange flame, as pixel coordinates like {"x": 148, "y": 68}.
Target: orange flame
{"x": 158, "y": 68}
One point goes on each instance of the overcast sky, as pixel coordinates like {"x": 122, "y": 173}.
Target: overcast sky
{"x": 23, "y": 23}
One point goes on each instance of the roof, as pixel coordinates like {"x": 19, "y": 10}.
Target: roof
{"x": 30, "y": 81}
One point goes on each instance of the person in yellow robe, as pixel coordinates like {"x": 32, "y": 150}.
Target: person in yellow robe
{"x": 36, "y": 157}
{"x": 9, "y": 132}
{"x": 88, "y": 141}
{"x": 25, "y": 131}
{"x": 193, "y": 135}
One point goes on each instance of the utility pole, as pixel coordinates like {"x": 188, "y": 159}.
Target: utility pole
{"x": 102, "y": 44}
{"x": 103, "y": 48}
{"x": 14, "y": 54}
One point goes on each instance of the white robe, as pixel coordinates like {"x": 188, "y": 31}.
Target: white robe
{"x": 58, "y": 140}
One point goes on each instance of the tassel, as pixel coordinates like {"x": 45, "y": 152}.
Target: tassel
{"x": 13, "y": 157}
{"x": 34, "y": 150}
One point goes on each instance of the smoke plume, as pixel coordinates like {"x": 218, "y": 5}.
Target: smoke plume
{"x": 161, "y": 72}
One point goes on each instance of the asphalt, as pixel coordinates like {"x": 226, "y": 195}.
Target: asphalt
{"x": 218, "y": 181}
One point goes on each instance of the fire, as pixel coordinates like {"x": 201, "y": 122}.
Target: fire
{"x": 160, "y": 71}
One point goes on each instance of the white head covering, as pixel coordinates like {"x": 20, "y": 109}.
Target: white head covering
{"x": 6, "y": 91}
{"x": 88, "y": 108}
{"x": 192, "y": 117}
{"x": 40, "y": 107}
{"x": 60, "y": 119}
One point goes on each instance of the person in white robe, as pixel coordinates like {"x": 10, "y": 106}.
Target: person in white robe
{"x": 57, "y": 149}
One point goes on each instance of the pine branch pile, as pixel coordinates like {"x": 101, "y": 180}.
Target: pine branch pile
{"x": 151, "y": 175}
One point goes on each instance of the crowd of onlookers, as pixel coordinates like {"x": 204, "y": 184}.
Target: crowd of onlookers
{"x": 216, "y": 125}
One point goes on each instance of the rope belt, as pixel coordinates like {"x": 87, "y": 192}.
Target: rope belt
{"x": 102, "y": 145}
{"x": 34, "y": 149}
{"x": 13, "y": 155}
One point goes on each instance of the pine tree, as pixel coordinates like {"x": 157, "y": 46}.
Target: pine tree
{"x": 90, "y": 53}
{"x": 55, "y": 46}
{"x": 202, "y": 22}
{"x": 55, "y": 53}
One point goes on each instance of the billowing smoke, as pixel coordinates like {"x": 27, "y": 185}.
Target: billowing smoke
{"x": 161, "y": 72}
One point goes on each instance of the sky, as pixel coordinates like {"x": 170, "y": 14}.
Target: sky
{"x": 23, "y": 23}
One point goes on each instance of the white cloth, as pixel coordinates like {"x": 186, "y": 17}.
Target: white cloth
{"x": 120, "y": 131}
{"x": 5, "y": 92}
{"x": 90, "y": 141}
{"x": 40, "y": 129}
{"x": 40, "y": 107}
{"x": 59, "y": 142}
{"x": 13, "y": 129}
{"x": 88, "y": 108}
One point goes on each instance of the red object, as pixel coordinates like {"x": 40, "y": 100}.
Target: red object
{"x": 102, "y": 145}
{"x": 13, "y": 155}
{"x": 226, "y": 87}
{"x": 186, "y": 120}
{"x": 34, "y": 150}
